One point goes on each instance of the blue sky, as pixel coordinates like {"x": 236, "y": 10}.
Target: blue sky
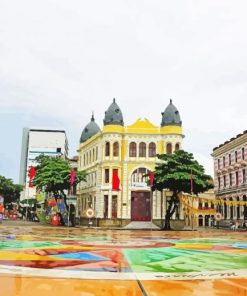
{"x": 60, "y": 60}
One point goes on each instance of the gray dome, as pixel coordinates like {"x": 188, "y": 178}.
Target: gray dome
{"x": 171, "y": 116}
{"x": 90, "y": 130}
{"x": 113, "y": 115}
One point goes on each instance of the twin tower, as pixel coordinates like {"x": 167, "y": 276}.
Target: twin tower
{"x": 114, "y": 117}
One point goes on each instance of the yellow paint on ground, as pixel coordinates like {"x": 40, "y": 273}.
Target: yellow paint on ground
{"x": 21, "y": 256}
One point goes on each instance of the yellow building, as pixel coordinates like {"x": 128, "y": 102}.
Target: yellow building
{"x": 125, "y": 155}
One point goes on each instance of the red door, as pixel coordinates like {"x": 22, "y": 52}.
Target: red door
{"x": 140, "y": 206}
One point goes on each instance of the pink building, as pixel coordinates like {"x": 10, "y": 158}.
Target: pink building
{"x": 230, "y": 169}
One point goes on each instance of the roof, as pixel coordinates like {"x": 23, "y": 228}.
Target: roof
{"x": 231, "y": 140}
{"x": 113, "y": 115}
{"x": 90, "y": 130}
{"x": 171, "y": 116}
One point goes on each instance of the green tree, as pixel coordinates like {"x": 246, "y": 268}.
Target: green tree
{"x": 174, "y": 172}
{"x": 9, "y": 190}
{"x": 53, "y": 176}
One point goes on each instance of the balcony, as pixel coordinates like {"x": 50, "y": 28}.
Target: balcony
{"x": 232, "y": 189}
{"x": 236, "y": 166}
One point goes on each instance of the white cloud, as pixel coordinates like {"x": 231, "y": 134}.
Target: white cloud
{"x": 63, "y": 59}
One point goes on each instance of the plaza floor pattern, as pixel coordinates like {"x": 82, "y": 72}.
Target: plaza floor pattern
{"x": 36, "y": 260}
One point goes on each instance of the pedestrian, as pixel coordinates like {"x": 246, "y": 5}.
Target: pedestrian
{"x": 233, "y": 226}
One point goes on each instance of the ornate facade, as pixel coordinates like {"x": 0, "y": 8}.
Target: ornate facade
{"x": 118, "y": 160}
{"x": 230, "y": 169}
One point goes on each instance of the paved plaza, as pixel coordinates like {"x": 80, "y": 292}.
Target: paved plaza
{"x": 38, "y": 260}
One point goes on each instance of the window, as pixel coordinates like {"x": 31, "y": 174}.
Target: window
{"x": 105, "y": 206}
{"x": 218, "y": 164}
{"x": 230, "y": 159}
{"x": 243, "y": 153}
{"x": 96, "y": 153}
{"x": 224, "y": 180}
{"x": 244, "y": 176}
{"x": 224, "y": 161}
{"x": 107, "y": 175}
{"x": 142, "y": 149}
{"x": 139, "y": 177}
{"x": 219, "y": 182}
{"x": 115, "y": 149}
{"x": 114, "y": 207}
{"x": 236, "y": 156}
{"x": 151, "y": 150}
{"x": 93, "y": 156}
{"x": 59, "y": 150}
{"x": 230, "y": 176}
{"x": 236, "y": 178}
{"x": 177, "y": 147}
{"x": 107, "y": 149}
{"x": 84, "y": 159}
{"x": 132, "y": 149}
{"x": 90, "y": 156}
{"x": 169, "y": 148}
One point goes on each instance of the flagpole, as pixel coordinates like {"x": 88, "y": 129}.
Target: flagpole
{"x": 151, "y": 179}
{"x": 151, "y": 197}
{"x": 191, "y": 192}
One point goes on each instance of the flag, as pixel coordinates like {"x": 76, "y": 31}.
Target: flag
{"x": 191, "y": 182}
{"x": 32, "y": 173}
{"x": 115, "y": 180}
{"x": 72, "y": 177}
{"x": 151, "y": 178}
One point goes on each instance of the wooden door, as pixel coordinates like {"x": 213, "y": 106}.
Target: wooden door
{"x": 140, "y": 206}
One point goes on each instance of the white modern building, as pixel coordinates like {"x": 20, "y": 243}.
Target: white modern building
{"x": 35, "y": 142}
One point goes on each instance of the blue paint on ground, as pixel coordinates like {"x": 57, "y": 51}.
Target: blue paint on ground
{"x": 81, "y": 256}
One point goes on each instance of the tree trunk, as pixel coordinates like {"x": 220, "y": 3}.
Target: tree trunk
{"x": 173, "y": 205}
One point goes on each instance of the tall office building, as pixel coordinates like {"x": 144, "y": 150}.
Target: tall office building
{"x": 34, "y": 143}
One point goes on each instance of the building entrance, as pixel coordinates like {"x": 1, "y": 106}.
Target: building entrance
{"x": 140, "y": 206}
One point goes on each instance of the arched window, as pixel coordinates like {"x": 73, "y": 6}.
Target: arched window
{"x": 140, "y": 176}
{"x": 107, "y": 149}
{"x": 151, "y": 150}
{"x": 177, "y": 146}
{"x": 142, "y": 149}
{"x": 132, "y": 149}
{"x": 115, "y": 149}
{"x": 169, "y": 148}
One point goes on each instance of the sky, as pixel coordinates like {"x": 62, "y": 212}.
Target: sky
{"x": 62, "y": 60}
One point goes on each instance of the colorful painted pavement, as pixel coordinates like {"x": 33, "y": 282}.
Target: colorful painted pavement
{"x": 60, "y": 261}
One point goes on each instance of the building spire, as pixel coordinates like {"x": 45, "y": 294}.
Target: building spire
{"x": 92, "y": 118}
